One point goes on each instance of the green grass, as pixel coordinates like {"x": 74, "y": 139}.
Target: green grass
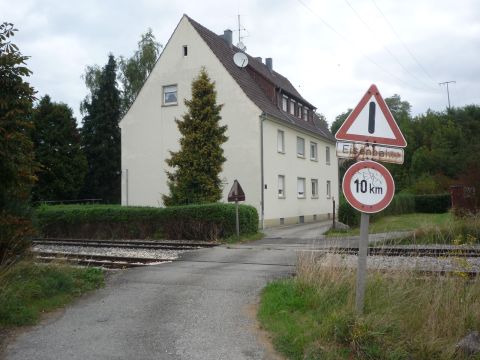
{"x": 406, "y": 317}
{"x": 243, "y": 238}
{"x": 399, "y": 223}
{"x": 27, "y": 289}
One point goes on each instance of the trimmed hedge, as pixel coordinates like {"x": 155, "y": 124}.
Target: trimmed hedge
{"x": 191, "y": 222}
{"x": 438, "y": 203}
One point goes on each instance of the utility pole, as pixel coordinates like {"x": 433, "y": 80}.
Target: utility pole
{"x": 448, "y": 92}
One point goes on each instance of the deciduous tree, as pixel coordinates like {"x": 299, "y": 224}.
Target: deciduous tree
{"x": 57, "y": 148}
{"x": 17, "y": 165}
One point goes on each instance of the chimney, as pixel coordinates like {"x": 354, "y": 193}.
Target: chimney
{"x": 259, "y": 58}
{"x": 227, "y": 36}
{"x": 268, "y": 63}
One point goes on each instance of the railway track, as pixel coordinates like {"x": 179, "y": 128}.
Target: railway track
{"x": 125, "y": 244}
{"x": 409, "y": 252}
{"x": 106, "y": 261}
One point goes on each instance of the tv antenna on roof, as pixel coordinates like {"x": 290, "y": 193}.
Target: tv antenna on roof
{"x": 240, "y": 44}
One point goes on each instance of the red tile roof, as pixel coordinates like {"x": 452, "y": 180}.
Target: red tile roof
{"x": 253, "y": 90}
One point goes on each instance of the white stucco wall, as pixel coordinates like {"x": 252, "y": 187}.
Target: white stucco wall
{"x": 292, "y": 167}
{"x": 149, "y": 131}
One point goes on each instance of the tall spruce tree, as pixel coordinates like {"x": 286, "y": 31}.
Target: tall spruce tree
{"x": 57, "y": 149}
{"x": 17, "y": 165}
{"x": 101, "y": 136}
{"x": 198, "y": 163}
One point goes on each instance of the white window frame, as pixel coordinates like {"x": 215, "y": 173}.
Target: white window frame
{"x": 168, "y": 89}
{"x": 314, "y": 184}
{"x": 292, "y": 107}
{"x": 300, "y": 140}
{"x": 329, "y": 189}
{"x": 327, "y": 155}
{"x": 301, "y": 188}
{"x": 284, "y": 103}
{"x": 281, "y": 141}
{"x": 281, "y": 186}
{"x": 314, "y": 155}
{"x": 300, "y": 110}
{"x": 305, "y": 113}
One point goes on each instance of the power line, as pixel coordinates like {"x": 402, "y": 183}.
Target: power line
{"x": 403, "y": 43}
{"x": 385, "y": 47}
{"x": 352, "y": 43}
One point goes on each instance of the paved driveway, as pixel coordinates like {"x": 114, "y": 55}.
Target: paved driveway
{"x": 196, "y": 308}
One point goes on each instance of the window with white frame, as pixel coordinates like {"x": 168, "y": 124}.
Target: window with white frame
{"x": 170, "y": 95}
{"x": 300, "y": 110}
{"x": 315, "y": 188}
{"x": 313, "y": 151}
{"x": 305, "y": 113}
{"x": 327, "y": 155}
{"x": 329, "y": 189}
{"x": 301, "y": 187}
{"x": 292, "y": 107}
{"x": 284, "y": 103}
{"x": 281, "y": 186}
{"x": 300, "y": 147}
{"x": 280, "y": 141}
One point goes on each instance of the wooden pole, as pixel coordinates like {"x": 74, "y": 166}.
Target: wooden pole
{"x": 362, "y": 263}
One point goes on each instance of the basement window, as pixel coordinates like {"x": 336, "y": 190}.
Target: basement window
{"x": 170, "y": 95}
{"x": 185, "y": 50}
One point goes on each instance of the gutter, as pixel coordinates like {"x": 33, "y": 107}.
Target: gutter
{"x": 262, "y": 180}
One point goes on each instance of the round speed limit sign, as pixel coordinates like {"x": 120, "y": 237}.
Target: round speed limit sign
{"x": 368, "y": 186}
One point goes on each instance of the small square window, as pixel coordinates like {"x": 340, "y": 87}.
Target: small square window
{"x": 170, "y": 95}
{"x": 280, "y": 141}
{"x": 281, "y": 186}
{"x": 313, "y": 151}
{"x": 301, "y": 188}
{"x": 315, "y": 188}
{"x": 329, "y": 189}
{"x": 327, "y": 155}
{"x": 300, "y": 147}
{"x": 185, "y": 50}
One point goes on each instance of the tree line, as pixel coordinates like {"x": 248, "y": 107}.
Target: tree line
{"x": 443, "y": 148}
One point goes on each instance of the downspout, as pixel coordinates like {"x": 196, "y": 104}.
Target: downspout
{"x": 262, "y": 215}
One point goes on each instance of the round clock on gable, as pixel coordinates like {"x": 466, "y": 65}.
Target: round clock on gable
{"x": 240, "y": 59}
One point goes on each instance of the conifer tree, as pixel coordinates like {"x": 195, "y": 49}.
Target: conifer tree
{"x": 101, "y": 136}
{"x": 17, "y": 165}
{"x": 57, "y": 149}
{"x": 198, "y": 163}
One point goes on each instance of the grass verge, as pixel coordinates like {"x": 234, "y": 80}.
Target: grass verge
{"x": 406, "y": 317}
{"x": 402, "y": 222}
{"x": 243, "y": 238}
{"x": 27, "y": 289}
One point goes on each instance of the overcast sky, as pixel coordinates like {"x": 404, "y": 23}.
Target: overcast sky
{"x": 331, "y": 50}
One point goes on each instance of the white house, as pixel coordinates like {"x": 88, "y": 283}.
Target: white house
{"x": 279, "y": 151}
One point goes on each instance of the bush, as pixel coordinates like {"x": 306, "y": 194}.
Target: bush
{"x": 438, "y": 203}
{"x": 191, "y": 222}
{"x": 347, "y": 214}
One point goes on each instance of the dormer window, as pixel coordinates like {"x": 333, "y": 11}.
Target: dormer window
{"x": 300, "y": 111}
{"x": 292, "y": 107}
{"x": 284, "y": 103}
{"x": 305, "y": 113}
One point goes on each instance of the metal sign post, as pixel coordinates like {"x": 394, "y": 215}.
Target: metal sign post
{"x": 362, "y": 263}
{"x": 236, "y": 194}
{"x": 369, "y": 133}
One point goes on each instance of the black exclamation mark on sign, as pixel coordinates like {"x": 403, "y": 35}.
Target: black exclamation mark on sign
{"x": 371, "y": 118}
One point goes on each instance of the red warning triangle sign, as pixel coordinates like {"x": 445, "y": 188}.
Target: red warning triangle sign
{"x": 371, "y": 122}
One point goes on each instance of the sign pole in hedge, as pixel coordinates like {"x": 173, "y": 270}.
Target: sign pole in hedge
{"x": 367, "y": 185}
{"x": 236, "y": 194}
